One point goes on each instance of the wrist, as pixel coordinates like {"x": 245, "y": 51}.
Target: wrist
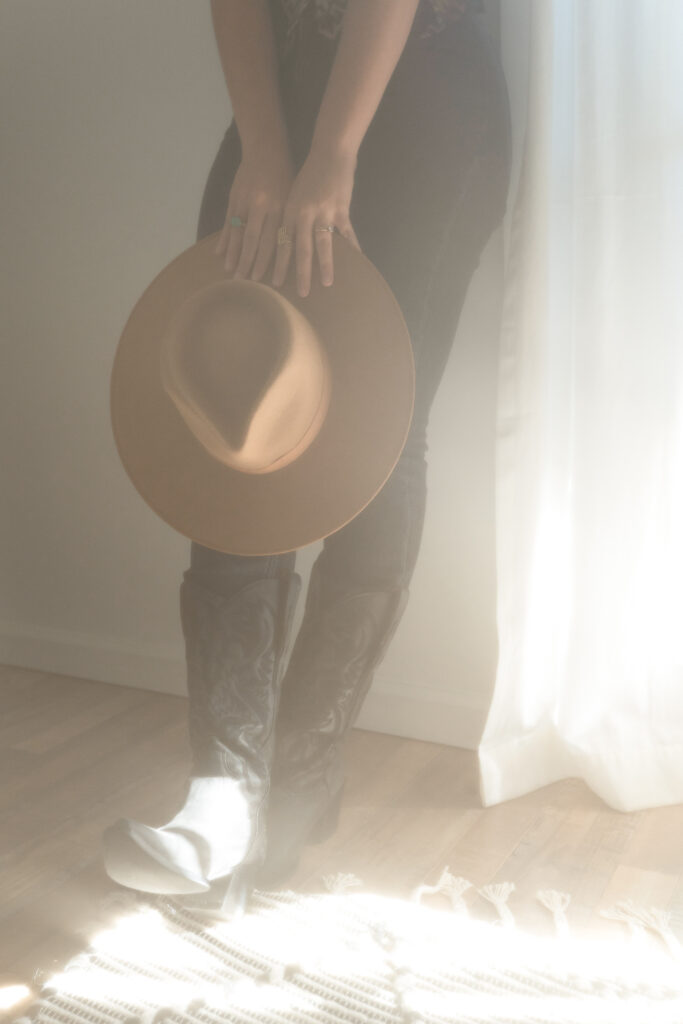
{"x": 333, "y": 148}
{"x": 272, "y": 146}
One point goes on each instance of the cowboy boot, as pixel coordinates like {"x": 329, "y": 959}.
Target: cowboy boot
{"x": 234, "y": 648}
{"x": 330, "y": 671}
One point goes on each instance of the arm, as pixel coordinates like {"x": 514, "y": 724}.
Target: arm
{"x": 373, "y": 35}
{"x": 246, "y": 47}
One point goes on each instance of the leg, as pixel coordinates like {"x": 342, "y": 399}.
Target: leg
{"x": 235, "y": 612}
{"x": 427, "y": 250}
{"x": 211, "y": 588}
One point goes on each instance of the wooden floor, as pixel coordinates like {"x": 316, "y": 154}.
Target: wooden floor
{"x": 75, "y": 755}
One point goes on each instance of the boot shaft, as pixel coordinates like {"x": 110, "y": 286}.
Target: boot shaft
{"x": 234, "y": 653}
{"x": 339, "y": 646}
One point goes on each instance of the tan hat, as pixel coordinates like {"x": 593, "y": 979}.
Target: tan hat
{"x": 255, "y": 421}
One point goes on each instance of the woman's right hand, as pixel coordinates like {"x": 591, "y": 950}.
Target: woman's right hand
{"x": 258, "y": 194}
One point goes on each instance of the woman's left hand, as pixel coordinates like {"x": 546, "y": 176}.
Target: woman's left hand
{"x": 320, "y": 196}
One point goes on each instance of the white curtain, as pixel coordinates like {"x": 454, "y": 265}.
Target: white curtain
{"x": 589, "y": 476}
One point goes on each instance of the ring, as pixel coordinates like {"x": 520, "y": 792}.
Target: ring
{"x": 283, "y": 236}
{"x": 237, "y": 222}
{"x": 327, "y": 227}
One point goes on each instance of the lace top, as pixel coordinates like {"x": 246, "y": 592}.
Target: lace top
{"x": 431, "y": 16}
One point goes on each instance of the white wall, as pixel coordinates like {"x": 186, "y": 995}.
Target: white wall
{"x": 111, "y": 113}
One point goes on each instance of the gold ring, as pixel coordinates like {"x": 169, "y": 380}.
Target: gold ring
{"x": 283, "y": 236}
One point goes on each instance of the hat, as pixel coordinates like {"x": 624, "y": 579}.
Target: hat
{"x": 255, "y": 421}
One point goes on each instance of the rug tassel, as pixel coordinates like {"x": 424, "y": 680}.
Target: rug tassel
{"x": 449, "y": 885}
{"x": 639, "y": 918}
{"x": 340, "y": 883}
{"x": 498, "y": 895}
{"x": 556, "y": 902}
{"x": 620, "y": 913}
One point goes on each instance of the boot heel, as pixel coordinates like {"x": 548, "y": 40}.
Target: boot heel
{"x": 227, "y": 898}
{"x": 326, "y": 825}
{"x": 237, "y": 893}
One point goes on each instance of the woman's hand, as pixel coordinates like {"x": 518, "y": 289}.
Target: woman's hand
{"x": 258, "y": 194}
{"x": 320, "y": 196}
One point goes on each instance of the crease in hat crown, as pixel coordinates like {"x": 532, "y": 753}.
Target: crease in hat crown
{"x": 247, "y": 372}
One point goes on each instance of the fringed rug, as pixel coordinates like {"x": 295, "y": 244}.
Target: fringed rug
{"x": 350, "y": 956}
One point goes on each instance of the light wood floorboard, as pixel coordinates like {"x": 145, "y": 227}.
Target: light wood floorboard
{"x": 75, "y": 755}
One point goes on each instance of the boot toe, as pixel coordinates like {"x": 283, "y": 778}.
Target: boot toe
{"x": 147, "y": 859}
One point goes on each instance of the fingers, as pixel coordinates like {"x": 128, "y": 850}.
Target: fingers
{"x": 322, "y": 234}
{"x": 230, "y": 239}
{"x": 266, "y": 245}
{"x": 251, "y": 236}
{"x": 249, "y": 247}
{"x": 311, "y": 239}
{"x": 323, "y": 245}
{"x": 222, "y": 242}
{"x": 298, "y": 236}
{"x": 303, "y": 243}
{"x": 285, "y": 243}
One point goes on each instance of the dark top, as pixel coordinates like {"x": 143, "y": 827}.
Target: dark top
{"x": 431, "y": 17}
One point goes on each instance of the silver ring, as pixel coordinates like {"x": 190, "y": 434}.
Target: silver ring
{"x": 326, "y": 227}
{"x": 283, "y": 236}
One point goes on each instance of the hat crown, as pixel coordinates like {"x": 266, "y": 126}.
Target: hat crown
{"x": 248, "y": 374}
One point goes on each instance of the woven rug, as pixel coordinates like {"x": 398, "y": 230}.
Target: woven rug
{"x": 346, "y": 955}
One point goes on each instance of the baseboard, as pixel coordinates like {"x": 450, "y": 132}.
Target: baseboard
{"x": 419, "y": 712}
{"x": 84, "y": 656}
{"x": 424, "y": 713}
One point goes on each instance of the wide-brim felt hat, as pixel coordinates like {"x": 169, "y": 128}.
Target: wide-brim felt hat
{"x": 253, "y": 420}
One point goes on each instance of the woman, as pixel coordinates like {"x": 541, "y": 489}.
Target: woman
{"x": 388, "y": 121}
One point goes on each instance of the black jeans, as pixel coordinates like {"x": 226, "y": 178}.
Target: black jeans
{"x": 431, "y": 185}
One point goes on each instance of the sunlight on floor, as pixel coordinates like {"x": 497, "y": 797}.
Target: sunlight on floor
{"x": 12, "y": 995}
{"x": 295, "y": 953}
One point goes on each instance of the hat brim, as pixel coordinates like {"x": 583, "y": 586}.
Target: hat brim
{"x": 368, "y": 347}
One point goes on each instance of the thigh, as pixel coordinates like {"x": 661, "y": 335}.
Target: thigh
{"x": 228, "y": 574}
{"x": 431, "y": 184}
{"x": 214, "y": 202}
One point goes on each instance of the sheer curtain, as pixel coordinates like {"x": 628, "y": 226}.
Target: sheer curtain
{"x": 589, "y": 476}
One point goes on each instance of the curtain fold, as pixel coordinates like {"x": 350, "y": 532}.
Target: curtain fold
{"x": 589, "y": 473}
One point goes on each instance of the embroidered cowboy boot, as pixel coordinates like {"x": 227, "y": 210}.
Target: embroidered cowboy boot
{"x": 234, "y": 648}
{"x": 330, "y": 671}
